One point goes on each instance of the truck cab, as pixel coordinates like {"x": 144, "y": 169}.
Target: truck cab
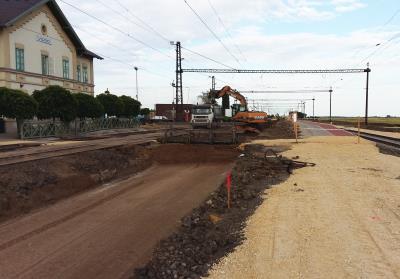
{"x": 202, "y": 116}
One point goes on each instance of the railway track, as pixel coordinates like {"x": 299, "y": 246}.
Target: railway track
{"x": 51, "y": 151}
{"x": 393, "y": 142}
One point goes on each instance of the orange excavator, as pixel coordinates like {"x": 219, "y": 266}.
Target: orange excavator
{"x": 252, "y": 121}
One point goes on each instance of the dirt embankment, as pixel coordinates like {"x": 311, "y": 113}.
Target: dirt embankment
{"x": 30, "y": 185}
{"x": 212, "y": 230}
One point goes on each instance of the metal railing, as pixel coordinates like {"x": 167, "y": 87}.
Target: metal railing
{"x": 48, "y": 128}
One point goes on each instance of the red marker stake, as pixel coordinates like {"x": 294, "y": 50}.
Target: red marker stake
{"x": 228, "y": 187}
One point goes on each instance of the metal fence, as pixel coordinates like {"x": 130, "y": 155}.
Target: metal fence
{"x": 47, "y": 128}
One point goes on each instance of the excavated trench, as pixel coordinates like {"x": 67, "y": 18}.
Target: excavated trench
{"x": 204, "y": 234}
{"x": 212, "y": 230}
{"x": 30, "y": 185}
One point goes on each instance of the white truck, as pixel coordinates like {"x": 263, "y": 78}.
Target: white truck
{"x": 205, "y": 115}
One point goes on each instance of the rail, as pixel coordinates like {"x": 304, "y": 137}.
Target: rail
{"x": 394, "y": 142}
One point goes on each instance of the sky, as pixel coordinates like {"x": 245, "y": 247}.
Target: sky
{"x": 252, "y": 34}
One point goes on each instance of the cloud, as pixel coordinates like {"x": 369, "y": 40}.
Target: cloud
{"x": 247, "y": 24}
{"x": 344, "y": 6}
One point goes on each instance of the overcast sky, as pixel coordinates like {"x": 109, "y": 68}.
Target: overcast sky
{"x": 259, "y": 34}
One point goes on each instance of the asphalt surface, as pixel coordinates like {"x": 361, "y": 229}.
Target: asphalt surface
{"x": 106, "y": 232}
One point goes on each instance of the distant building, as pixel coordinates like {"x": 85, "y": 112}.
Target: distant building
{"x": 169, "y": 110}
{"x": 39, "y": 47}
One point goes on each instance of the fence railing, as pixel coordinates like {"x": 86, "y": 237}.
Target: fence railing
{"x": 47, "y": 128}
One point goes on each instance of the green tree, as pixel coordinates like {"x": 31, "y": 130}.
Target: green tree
{"x": 56, "y": 102}
{"x": 301, "y": 115}
{"x": 145, "y": 111}
{"x": 88, "y": 106}
{"x": 4, "y": 101}
{"x": 131, "y": 106}
{"x": 111, "y": 103}
{"x": 21, "y": 106}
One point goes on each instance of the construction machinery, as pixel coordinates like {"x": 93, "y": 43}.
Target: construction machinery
{"x": 205, "y": 115}
{"x": 251, "y": 121}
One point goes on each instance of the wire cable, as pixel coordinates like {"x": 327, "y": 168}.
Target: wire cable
{"x": 149, "y": 27}
{"x": 117, "y": 29}
{"x": 208, "y": 58}
{"x": 212, "y": 32}
{"x": 226, "y": 29}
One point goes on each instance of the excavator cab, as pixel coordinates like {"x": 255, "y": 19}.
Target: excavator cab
{"x": 236, "y": 108}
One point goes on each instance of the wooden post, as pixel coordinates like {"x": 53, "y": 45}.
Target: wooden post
{"x": 228, "y": 188}
{"x": 359, "y": 124}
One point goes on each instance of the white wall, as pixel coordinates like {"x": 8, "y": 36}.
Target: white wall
{"x": 33, "y": 48}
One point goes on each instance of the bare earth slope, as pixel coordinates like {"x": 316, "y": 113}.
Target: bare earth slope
{"x": 340, "y": 219}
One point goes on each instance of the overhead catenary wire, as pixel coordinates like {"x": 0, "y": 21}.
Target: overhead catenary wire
{"x": 379, "y": 45}
{"x": 226, "y": 29}
{"x": 132, "y": 66}
{"x": 141, "y": 42}
{"x": 208, "y": 58}
{"x": 121, "y": 14}
{"x": 149, "y": 27}
{"x": 211, "y": 31}
{"x": 116, "y": 29}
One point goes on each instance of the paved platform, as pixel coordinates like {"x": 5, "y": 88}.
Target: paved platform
{"x": 313, "y": 129}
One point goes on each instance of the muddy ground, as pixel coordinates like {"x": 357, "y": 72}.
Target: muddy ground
{"x": 212, "y": 230}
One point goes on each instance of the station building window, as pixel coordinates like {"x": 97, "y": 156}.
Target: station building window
{"x": 78, "y": 73}
{"x": 45, "y": 64}
{"x": 85, "y": 74}
{"x": 19, "y": 59}
{"x": 65, "y": 65}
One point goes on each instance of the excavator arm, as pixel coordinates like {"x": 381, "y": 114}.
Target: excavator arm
{"x": 227, "y": 90}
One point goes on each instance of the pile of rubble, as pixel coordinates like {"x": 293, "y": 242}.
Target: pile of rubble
{"x": 212, "y": 230}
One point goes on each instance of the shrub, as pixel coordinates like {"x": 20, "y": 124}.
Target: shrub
{"x": 145, "y": 111}
{"x": 131, "y": 107}
{"x": 88, "y": 106}
{"x": 111, "y": 103}
{"x": 56, "y": 102}
{"x": 4, "y": 101}
{"x": 17, "y": 104}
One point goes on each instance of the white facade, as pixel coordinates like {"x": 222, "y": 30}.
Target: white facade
{"x": 40, "y": 33}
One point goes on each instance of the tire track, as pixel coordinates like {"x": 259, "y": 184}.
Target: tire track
{"x": 66, "y": 218}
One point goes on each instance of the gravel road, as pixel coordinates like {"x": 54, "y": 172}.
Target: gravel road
{"x": 106, "y": 232}
{"x": 340, "y": 219}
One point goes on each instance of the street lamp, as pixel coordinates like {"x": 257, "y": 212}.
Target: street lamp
{"x": 137, "y": 90}
{"x": 330, "y": 105}
{"x": 313, "y": 112}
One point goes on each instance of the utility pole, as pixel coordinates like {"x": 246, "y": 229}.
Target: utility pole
{"x": 178, "y": 86}
{"x": 313, "y": 111}
{"x": 213, "y": 83}
{"x": 330, "y": 104}
{"x": 137, "y": 90}
{"x": 368, "y": 70}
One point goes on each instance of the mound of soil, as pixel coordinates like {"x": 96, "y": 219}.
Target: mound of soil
{"x": 282, "y": 129}
{"x": 212, "y": 230}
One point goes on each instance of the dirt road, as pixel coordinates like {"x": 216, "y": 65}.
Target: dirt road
{"x": 106, "y": 232}
{"x": 340, "y": 219}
